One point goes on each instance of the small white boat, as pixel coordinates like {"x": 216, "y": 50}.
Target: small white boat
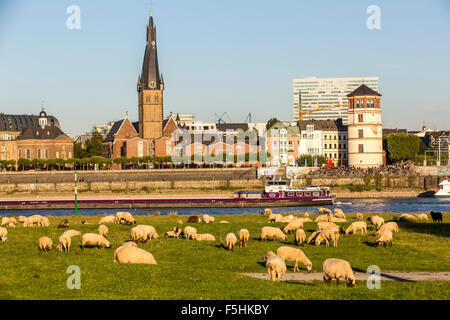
{"x": 444, "y": 190}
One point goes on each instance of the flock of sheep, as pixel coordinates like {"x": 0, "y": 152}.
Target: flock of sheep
{"x": 328, "y": 231}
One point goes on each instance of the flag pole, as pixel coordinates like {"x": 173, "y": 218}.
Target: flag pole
{"x": 76, "y": 207}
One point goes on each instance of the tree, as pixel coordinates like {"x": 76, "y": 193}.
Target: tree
{"x": 271, "y": 122}
{"x": 94, "y": 144}
{"x": 401, "y": 147}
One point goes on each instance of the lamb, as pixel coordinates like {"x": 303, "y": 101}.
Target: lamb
{"x": 386, "y": 237}
{"x": 322, "y": 218}
{"x": 45, "y": 244}
{"x": 294, "y": 255}
{"x": 276, "y": 268}
{"x": 325, "y": 210}
{"x": 407, "y": 217}
{"x": 391, "y": 226}
{"x": 359, "y": 216}
{"x": 243, "y": 235}
{"x": 357, "y": 226}
{"x": 204, "y": 237}
{"x": 5, "y": 222}
{"x": 313, "y": 236}
{"x": 72, "y": 233}
{"x": 338, "y": 213}
{"x": 150, "y": 231}
{"x": 294, "y": 225}
{"x": 92, "y": 239}
{"x": 208, "y": 218}
{"x": 436, "y": 216}
{"x": 63, "y": 223}
{"x": 103, "y": 230}
{"x": 327, "y": 235}
{"x": 131, "y": 254}
{"x": 194, "y": 219}
{"x": 175, "y": 233}
{"x": 377, "y": 221}
{"x": 3, "y": 234}
{"x": 64, "y": 242}
{"x": 333, "y": 268}
{"x": 422, "y": 217}
{"x": 111, "y": 219}
{"x": 230, "y": 241}
{"x": 189, "y": 232}
{"x": 300, "y": 237}
{"x": 270, "y": 232}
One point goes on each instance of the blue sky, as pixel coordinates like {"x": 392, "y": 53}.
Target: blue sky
{"x": 238, "y": 56}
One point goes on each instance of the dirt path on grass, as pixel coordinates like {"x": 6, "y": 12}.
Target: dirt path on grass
{"x": 390, "y": 276}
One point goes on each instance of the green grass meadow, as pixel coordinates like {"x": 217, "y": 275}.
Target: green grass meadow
{"x": 206, "y": 270}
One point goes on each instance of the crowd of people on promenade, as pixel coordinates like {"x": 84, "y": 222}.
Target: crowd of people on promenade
{"x": 400, "y": 169}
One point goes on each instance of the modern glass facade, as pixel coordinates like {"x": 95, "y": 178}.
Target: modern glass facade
{"x": 327, "y": 92}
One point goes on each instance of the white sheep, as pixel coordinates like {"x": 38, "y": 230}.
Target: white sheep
{"x": 386, "y": 237}
{"x": 333, "y": 268}
{"x": 422, "y": 217}
{"x": 306, "y": 215}
{"x": 325, "y": 210}
{"x": 3, "y": 234}
{"x": 175, "y": 233}
{"x": 334, "y": 219}
{"x": 72, "y": 233}
{"x": 5, "y": 222}
{"x": 293, "y": 225}
{"x": 328, "y": 234}
{"x": 243, "y": 235}
{"x": 45, "y": 244}
{"x": 359, "y": 216}
{"x": 103, "y": 230}
{"x": 391, "y": 226}
{"x": 204, "y": 237}
{"x": 294, "y": 255}
{"x": 131, "y": 254}
{"x": 357, "y": 226}
{"x": 124, "y": 218}
{"x": 275, "y": 217}
{"x": 11, "y": 225}
{"x": 128, "y": 243}
{"x": 271, "y": 232}
{"x": 64, "y": 242}
{"x": 93, "y": 239}
{"x": 223, "y": 221}
{"x": 300, "y": 237}
{"x": 276, "y": 268}
{"x": 377, "y": 221}
{"x": 322, "y": 218}
{"x": 22, "y": 219}
{"x": 45, "y": 222}
{"x": 189, "y": 232}
{"x": 111, "y": 219}
{"x": 150, "y": 231}
{"x": 324, "y": 225}
{"x": 407, "y": 217}
{"x": 208, "y": 219}
{"x": 230, "y": 241}
{"x": 313, "y": 236}
{"x": 338, "y": 213}
{"x": 267, "y": 212}
{"x": 268, "y": 255}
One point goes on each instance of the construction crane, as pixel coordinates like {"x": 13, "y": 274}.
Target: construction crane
{"x": 220, "y": 118}
{"x": 301, "y": 113}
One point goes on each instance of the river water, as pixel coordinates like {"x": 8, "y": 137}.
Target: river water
{"x": 347, "y": 205}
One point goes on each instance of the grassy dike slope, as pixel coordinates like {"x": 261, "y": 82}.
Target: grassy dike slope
{"x": 205, "y": 270}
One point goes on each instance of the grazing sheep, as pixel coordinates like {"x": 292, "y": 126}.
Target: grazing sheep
{"x": 268, "y": 255}
{"x": 294, "y": 225}
{"x": 194, "y": 219}
{"x": 294, "y": 255}
{"x": 377, "y": 221}
{"x": 111, "y": 219}
{"x": 11, "y": 225}
{"x": 64, "y": 242}
{"x": 189, "y": 232}
{"x": 300, "y": 237}
{"x": 327, "y": 235}
{"x": 333, "y": 268}
{"x": 230, "y": 241}
{"x": 180, "y": 222}
{"x": 407, "y": 217}
{"x": 45, "y": 244}
{"x": 125, "y": 218}
{"x": 34, "y": 220}
{"x": 322, "y": 218}
{"x": 386, "y": 237}
{"x": 357, "y": 226}
{"x": 22, "y": 219}
{"x": 271, "y": 232}
{"x": 338, "y": 213}
{"x": 223, "y": 221}
{"x": 85, "y": 222}
{"x": 306, "y": 215}
{"x": 307, "y": 220}
{"x": 313, "y": 236}
{"x": 149, "y": 230}
{"x": 333, "y": 219}
{"x": 287, "y": 219}
{"x": 72, "y": 233}
{"x": 325, "y": 211}
{"x": 12, "y": 220}
{"x": 93, "y": 239}
{"x": 208, "y": 219}
{"x": 267, "y": 212}
{"x": 244, "y": 235}
{"x": 359, "y": 216}
{"x": 204, "y": 237}
{"x": 422, "y": 217}
{"x": 175, "y": 233}
{"x": 3, "y": 234}
{"x": 5, "y": 222}
{"x": 276, "y": 268}
{"x": 324, "y": 225}
{"x": 138, "y": 235}
{"x": 436, "y": 216}
{"x": 131, "y": 254}
{"x": 275, "y": 217}
{"x": 63, "y": 223}
{"x": 391, "y": 226}
{"x": 103, "y": 230}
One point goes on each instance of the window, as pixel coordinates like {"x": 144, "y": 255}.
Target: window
{"x": 39, "y": 153}
{"x": 307, "y": 194}
{"x": 291, "y": 194}
{"x": 299, "y": 194}
{"x": 360, "y": 148}
{"x": 46, "y": 153}
{"x": 360, "y": 133}
{"x": 360, "y": 118}
{"x": 28, "y": 154}
{"x": 316, "y": 194}
{"x": 357, "y": 103}
{"x": 335, "y": 145}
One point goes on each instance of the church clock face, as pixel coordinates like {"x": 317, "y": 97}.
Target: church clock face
{"x": 152, "y": 84}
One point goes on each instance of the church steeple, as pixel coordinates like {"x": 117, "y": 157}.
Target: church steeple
{"x": 150, "y": 77}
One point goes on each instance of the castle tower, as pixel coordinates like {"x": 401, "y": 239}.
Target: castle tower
{"x": 365, "y": 134}
{"x": 150, "y": 90}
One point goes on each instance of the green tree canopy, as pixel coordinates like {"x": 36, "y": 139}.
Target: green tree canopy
{"x": 401, "y": 147}
{"x": 270, "y": 123}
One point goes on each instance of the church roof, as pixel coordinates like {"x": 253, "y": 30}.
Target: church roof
{"x": 15, "y": 122}
{"x": 36, "y": 132}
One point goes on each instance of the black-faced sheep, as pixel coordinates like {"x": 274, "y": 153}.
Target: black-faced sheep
{"x": 436, "y": 216}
